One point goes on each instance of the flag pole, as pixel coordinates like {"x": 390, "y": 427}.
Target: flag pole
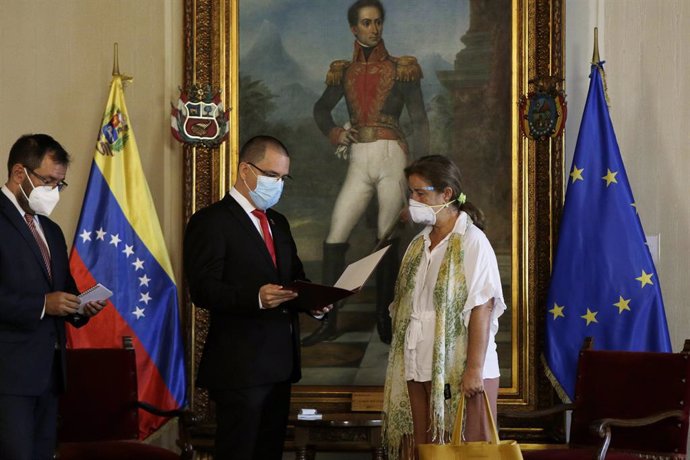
{"x": 116, "y": 65}
{"x": 596, "y": 61}
{"x": 116, "y": 59}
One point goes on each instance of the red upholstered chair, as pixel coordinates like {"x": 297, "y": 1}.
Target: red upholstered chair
{"x": 98, "y": 415}
{"x": 628, "y": 405}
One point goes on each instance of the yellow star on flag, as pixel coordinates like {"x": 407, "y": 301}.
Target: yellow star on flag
{"x": 645, "y": 278}
{"x": 610, "y": 177}
{"x": 557, "y": 311}
{"x": 576, "y": 174}
{"x": 591, "y": 317}
{"x": 622, "y": 304}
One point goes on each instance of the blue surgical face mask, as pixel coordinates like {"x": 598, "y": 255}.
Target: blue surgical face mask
{"x": 267, "y": 192}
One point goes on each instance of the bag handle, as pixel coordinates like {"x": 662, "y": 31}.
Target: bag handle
{"x": 456, "y": 440}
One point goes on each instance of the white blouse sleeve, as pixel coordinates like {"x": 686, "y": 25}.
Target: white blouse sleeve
{"x": 481, "y": 274}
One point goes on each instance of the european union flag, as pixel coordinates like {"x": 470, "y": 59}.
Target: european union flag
{"x": 604, "y": 283}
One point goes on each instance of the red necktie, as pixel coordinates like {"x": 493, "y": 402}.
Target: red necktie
{"x": 41, "y": 244}
{"x": 268, "y": 239}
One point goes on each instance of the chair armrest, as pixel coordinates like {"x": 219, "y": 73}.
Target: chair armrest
{"x": 551, "y": 420}
{"x": 602, "y": 427}
{"x": 541, "y": 413}
{"x": 187, "y": 419}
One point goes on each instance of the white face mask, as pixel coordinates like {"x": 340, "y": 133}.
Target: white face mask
{"x": 423, "y": 213}
{"x": 42, "y": 199}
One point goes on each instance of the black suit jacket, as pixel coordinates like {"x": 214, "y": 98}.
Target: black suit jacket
{"x": 226, "y": 262}
{"x": 27, "y": 341}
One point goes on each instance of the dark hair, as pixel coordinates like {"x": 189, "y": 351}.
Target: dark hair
{"x": 254, "y": 149}
{"x": 353, "y": 11}
{"x": 441, "y": 172}
{"x": 30, "y": 149}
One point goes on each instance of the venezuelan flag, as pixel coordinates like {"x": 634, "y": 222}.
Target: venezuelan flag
{"x": 119, "y": 243}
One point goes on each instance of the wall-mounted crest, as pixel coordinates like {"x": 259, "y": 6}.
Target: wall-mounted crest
{"x": 543, "y": 112}
{"x": 199, "y": 118}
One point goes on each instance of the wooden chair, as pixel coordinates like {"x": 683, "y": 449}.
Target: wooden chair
{"x": 628, "y": 405}
{"x": 99, "y": 413}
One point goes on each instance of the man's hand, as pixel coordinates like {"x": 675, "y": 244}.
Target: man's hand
{"x": 272, "y": 295}
{"x": 348, "y": 137}
{"x": 61, "y": 303}
{"x": 93, "y": 308}
{"x": 319, "y": 312}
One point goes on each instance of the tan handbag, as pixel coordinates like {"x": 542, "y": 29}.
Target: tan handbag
{"x": 460, "y": 450}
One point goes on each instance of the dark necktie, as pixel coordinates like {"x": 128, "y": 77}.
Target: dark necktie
{"x": 41, "y": 244}
{"x": 268, "y": 239}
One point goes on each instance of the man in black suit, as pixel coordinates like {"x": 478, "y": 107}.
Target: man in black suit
{"x": 239, "y": 255}
{"x": 37, "y": 296}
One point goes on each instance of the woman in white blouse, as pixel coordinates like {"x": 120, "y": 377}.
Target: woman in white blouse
{"x": 445, "y": 316}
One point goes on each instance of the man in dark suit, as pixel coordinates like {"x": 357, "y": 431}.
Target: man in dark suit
{"x": 37, "y": 296}
{"x": 239, "y": 255}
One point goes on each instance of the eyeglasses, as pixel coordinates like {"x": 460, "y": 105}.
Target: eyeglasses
{"x": 419, "y": 191}
{"x": 49, "y": 182}
{"x": 271, "y": 175}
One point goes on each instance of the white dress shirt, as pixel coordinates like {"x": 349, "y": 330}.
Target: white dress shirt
{"x": 248, "y": 208}
{"x": 37, "y": 223}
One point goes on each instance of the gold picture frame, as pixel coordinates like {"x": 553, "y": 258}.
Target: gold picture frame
{"x": 211, "y": 37}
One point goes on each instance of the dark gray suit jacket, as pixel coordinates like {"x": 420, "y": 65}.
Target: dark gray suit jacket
{"x": 27, "y": 341}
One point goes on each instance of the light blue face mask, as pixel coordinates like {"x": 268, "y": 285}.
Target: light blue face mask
{"x": 267, "y": 192}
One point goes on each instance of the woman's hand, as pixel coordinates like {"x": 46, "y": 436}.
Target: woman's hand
{"x": 472, "y": 382}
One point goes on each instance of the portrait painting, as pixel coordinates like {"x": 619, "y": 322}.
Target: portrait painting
{"x": 458, "y": 54}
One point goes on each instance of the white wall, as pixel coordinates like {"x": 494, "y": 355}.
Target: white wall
{"x": 645, "y": 46}
{"x": 55, "y": 69}
{"x": 56, "y": 63}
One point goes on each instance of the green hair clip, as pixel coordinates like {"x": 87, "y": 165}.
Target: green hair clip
{"x": 462, "y": 198}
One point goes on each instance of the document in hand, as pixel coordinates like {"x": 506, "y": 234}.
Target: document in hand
{"x": 313, "y": 296}
{"x": 94, "y": 294}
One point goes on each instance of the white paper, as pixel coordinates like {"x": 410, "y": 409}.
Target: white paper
{"x": 357, "y": 273}
{"x": 94, "y": 294}
{"x": 308, "y": 411}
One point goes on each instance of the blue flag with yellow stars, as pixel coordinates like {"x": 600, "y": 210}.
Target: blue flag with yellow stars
{"x": 604, "y": 284}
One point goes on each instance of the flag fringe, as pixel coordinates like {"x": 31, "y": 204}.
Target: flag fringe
{"x": 602, "y": 72}
{"x": 554, "y": 381}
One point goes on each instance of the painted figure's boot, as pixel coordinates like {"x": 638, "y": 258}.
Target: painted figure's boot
{"x": 386, "y": 274}
{"x": 333, "y": 266}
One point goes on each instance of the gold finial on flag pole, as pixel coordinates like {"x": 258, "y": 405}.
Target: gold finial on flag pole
{"x": 116, "y": 60}
{"x": 116, "y": 65}
{"x": 596, "y": 60}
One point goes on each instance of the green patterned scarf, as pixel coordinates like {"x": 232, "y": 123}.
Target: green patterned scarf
{"x": 450, "y": 347}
